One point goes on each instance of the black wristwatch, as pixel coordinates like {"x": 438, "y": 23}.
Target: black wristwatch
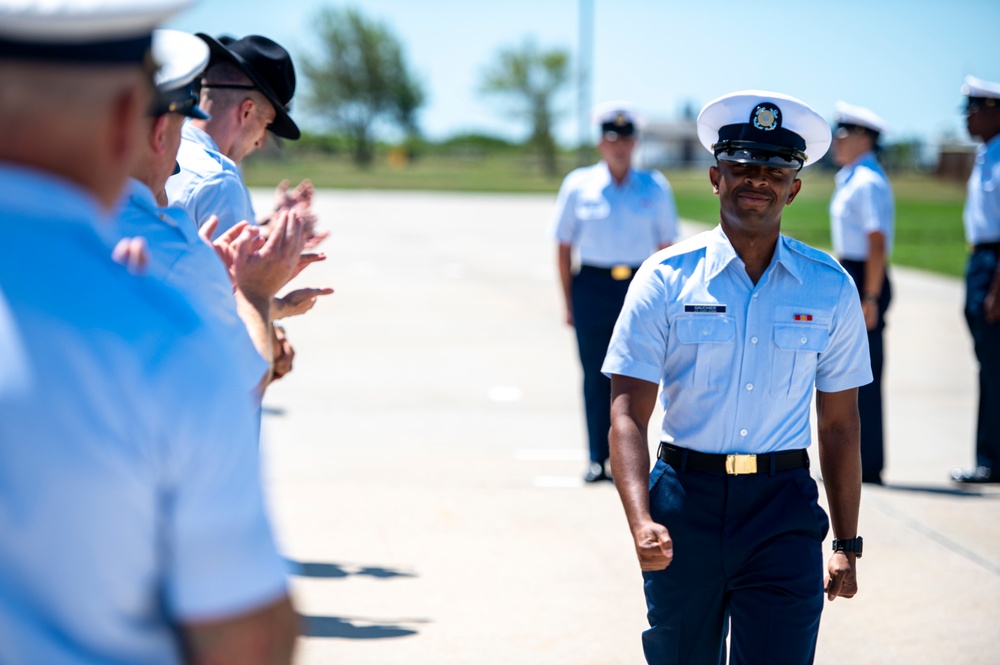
{"x": 848, "y": 545}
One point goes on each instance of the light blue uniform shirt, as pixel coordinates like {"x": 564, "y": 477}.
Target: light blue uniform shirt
{"x": 180, "y": 258}
{"x": 982, "y": 203}
{"x": 737, "y": 362}
{"x": 862, "y": 203}
{"x": 130, "y": 496}
{"x": 209, "y": 183}
{"x": 611, "y": 225}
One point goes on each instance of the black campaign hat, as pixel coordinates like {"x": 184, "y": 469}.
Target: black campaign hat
{"x": 268, "y": 65}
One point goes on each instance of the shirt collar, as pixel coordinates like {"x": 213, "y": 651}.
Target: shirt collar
{"x": 199, "y": 136}
{"x": 608, "y": 179}
{"x": 21, "y": 188}
{"x": 719, "y": 253}
{"x": 142, "y": 197}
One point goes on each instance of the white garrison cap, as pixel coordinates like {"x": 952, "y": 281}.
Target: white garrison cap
{"x": 616, "y": 116}
{"x": 976, "y": 87}
{"x": 859, "y": 116}
{"x": 759, "y": 127}
{"x": 181, "y": 57}
{"x": 82, "y": 31}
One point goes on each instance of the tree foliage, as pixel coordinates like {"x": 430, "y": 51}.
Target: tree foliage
{"x": 531, "y": 79}
{"x": 360, "y": 79}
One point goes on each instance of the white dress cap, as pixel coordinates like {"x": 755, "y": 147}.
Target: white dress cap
{"x": 63, "y": 22}
{"x": 610, "y": 112}
{"x": 760, "y": 127}
{"x": 181, "y": 57}
{"x": 976, "y": 87}
{"x": 849, "y": 114}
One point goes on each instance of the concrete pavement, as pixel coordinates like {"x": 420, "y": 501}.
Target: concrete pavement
{"x": 423, "y": 461}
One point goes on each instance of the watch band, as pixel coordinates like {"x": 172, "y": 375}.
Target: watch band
{"x": 848, "y": 545}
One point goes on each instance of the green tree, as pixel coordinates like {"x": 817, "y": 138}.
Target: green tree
{"x": 531, "y": 79}
{"x": 360, "y": 79}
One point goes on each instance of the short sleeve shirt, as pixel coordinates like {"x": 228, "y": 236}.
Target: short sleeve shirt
{"x": 982, "y": 202}
{"x": 209, "y": 183}
{"x": 862, "y": 203}
{"x": 130, "y": 493}
{"x": 737, "y": 362}
{"x": 180, "y": 258}
{"x": 609, "y": 224}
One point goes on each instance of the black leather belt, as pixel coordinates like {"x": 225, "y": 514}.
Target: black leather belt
{"x": 733, "y": 465}
{"x": 988, "y": 246}
{"x": 618, "y": 273}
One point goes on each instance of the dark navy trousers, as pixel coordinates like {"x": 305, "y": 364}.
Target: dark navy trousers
{"x": 986, "y": 339}
{"x": 870, "y": 396}
{"x": 597, "y": 300}
{"x": 747, "y": 559}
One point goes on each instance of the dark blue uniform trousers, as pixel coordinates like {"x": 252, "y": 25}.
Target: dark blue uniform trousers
{"x": 870, "y": 396}
{"x": 986, "y": 338}
{"x": 597, "y": 300}
{"x": 747, "y": 557}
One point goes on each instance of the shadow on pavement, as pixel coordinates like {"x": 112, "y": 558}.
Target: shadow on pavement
{"x": 937, "y": 489}
{"x": 337, "y": 570}
{"x": 344, "y": 628}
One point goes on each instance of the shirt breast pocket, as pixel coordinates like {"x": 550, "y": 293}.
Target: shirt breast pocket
{"x": 709, "y": 343}
{"x": 796, "y": 349}
{"x": 590, "y": 208}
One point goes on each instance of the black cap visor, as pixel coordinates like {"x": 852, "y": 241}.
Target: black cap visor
{"x": 749, "y": 152}
{"x": 182, "y": 101}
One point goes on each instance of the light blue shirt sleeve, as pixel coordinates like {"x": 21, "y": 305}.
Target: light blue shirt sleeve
{"x": 668, "y": 221}
{"x": 846, "y": 362}
{"x": 224, "y": 195}
{"x": 638, "y": 345}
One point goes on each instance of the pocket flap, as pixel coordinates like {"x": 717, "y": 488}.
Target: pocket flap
{"x": 798, "y": 337}
{"x": 705, "y": 329}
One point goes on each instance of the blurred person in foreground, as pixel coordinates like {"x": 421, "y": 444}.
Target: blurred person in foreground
{"x": 132, "y": 520}
{"x": 609, "y": 218}
{"x": 737, "y": 325}
{"x": 862, "y": 223}
{"x": 982, "y": 273}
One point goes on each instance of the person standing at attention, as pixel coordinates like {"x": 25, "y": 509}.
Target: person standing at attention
{"x": 612, "y": 217}
{"x": 862, "y": 213}
{"x": 736, "y": 326}
{"x": 982, "y": 273}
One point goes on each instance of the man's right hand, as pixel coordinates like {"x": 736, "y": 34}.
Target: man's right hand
{"x": 264, "y": 270}
{"x": 653, "y": 545}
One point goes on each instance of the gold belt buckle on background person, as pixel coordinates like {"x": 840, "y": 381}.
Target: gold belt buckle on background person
{"x": 737, "y": 465}
{"x": 619, "y": 273}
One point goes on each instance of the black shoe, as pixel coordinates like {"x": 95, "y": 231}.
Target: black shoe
{"x": 595, "y": 473}
{"x": 980, "y": 474}
{"x": 872, "y": 478}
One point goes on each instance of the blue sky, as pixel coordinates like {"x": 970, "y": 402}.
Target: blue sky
{"x": 903, "y": 59}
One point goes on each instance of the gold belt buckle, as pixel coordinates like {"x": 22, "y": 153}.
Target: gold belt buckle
{"x": 737, "y": 465}
{"x": 619, "y": 273}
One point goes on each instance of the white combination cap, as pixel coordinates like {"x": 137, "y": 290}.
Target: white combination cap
{"x": 850, "y": 115}
{"x": 81, "y": 31}
{"x": 181, "y": 57}
{"x": 616, "y": 117}
{"x": 759, "y": 127}
{"x": 976, "y": 87}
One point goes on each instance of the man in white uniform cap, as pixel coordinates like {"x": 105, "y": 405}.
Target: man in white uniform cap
{"x": 736, "y": 326}
{"x": 862, "y": 223}
{"x": 132, "y": 521}
{"x": 608, "y": 219}
{"x": 982, "y": 273}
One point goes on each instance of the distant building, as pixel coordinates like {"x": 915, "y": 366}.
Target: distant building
{"x": 955, "y": 161}
{"x": 672, "y": 145}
